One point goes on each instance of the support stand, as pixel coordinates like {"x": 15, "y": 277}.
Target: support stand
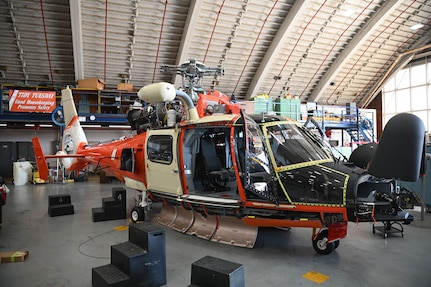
{"x": 214, "y": 272}
{"x": 388, "y": 228}
{"x": 60, "y": 204}
{"x": 113, "y": 207}
{"x": 141, "y": 261}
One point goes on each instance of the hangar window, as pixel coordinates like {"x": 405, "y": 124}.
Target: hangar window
{"x": 159, "y": 149}
{"x": 409, "y": 90}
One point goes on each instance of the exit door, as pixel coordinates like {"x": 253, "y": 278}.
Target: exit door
{"x": 7, "y": 152}
{"x": 161, "y": 161}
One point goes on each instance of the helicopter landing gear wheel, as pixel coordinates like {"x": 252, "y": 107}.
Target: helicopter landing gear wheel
{"x": 137, "y": 214}
{"x": 321, "y": 244}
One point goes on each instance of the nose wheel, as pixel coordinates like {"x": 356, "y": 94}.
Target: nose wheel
{"x": 321, "y": 244}
{"x": 137, "y": 214}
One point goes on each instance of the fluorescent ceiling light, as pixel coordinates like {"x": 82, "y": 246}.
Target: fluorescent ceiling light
{"x": 348, "y": 12}
{"x": 417, "y": 26}
{"x": 119, "y": 127}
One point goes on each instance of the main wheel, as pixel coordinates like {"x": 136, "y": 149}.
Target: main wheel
{"x": 321, "y": 244}
{"x": 137, "y": 214}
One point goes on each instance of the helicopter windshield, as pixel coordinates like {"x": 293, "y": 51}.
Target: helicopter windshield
{"x": 290, "y": 145}
{"x": 286, "y": 163}
{"x": 257, "y": 164}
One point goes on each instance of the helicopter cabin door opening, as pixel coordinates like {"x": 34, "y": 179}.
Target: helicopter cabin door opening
{"x": 207, "y": 160}
{"x": 161, "y": 161}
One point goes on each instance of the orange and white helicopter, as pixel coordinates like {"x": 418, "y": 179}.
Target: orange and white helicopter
{"x": 221, "y": 174}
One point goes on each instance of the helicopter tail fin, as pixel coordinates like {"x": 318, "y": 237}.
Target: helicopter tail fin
{"x": 74, "y": 137}
{"x": 74, "y": 140}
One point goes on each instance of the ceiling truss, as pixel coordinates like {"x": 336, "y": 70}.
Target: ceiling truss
{"x": 324, "y": 51}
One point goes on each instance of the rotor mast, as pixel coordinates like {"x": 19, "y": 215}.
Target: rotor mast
{"x": 192, "y": 74}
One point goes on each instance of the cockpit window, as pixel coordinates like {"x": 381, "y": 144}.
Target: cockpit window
{"x": 290, "y": 145}
{"x": 258, "y": 156}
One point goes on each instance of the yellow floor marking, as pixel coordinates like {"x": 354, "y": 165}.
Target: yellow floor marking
{"x": 121, "y": 228}
{"x": 316, "y": 277}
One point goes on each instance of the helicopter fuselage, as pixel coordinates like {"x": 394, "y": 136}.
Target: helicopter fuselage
{"x": 219, "y": 167}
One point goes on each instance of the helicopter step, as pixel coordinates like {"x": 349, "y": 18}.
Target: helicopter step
{"x": 222, "y": 229}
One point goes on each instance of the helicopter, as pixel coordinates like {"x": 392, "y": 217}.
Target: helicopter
{"x": 221, "y": 174}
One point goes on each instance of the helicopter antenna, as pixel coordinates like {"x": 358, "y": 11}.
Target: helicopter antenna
{"x": 192, "y": 74}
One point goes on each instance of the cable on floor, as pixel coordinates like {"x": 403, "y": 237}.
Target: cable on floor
{"x": 91, "y": 238}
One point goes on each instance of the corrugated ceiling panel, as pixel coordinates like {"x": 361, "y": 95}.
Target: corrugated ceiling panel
{"x": 135, "y": 51}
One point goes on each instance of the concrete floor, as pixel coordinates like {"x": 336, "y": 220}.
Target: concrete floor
{"x": 64, "y": 249}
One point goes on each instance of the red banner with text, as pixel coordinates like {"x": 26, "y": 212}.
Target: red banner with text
{"x": 32, "y": 101}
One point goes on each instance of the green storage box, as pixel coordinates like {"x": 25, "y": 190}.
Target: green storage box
{"x": 290, "y": 108}
{"x": 262, "y": 105}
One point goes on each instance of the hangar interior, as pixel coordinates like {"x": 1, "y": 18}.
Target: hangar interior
{"x": 341, "y": 60}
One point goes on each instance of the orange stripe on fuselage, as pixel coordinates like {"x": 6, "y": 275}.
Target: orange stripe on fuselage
{"x": 72, "y": 121}
{"x": 264, "y": 222}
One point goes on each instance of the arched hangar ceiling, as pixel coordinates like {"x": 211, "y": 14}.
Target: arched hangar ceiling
{"x": 330, "y": 52}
